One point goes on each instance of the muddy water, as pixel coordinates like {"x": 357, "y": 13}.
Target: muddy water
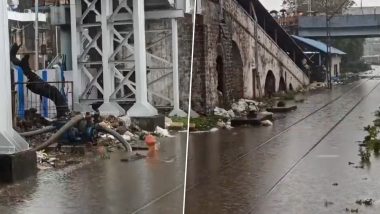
{"x": 290, "y": 167}
{"x": 153, "y": 185}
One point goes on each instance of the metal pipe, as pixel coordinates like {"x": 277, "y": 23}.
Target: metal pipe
{"x": 54, "y": 138}
{"x": 39, "y": 131}
{"x": 107, "y": 130}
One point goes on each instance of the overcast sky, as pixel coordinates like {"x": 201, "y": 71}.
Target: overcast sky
{"x": 276, "y": 4}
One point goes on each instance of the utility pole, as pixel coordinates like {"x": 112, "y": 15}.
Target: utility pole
{"x": 328, "y": 43}
{"x": 36, "y": 9}
{"x": 328, "y": 35}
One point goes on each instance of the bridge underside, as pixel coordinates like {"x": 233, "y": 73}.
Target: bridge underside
{"x": 340, "y": 26}
{"x": 341, "y": 33}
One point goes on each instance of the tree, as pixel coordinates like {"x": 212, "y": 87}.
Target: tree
{"x": 353, "y": 47}
{"x": 317, "y": 6}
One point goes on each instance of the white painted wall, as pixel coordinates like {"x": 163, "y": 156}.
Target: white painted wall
{"x": 335, "y": 61}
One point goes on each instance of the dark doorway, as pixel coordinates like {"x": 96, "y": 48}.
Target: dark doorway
{"x": 291, "y": 87}
{"x": 282, "y": 85}
{"x": 270, "y": 84}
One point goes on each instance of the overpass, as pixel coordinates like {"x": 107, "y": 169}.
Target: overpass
{"x": 367, "y": 25}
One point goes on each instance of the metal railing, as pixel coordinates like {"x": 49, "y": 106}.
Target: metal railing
{"x": 25, "y": 99}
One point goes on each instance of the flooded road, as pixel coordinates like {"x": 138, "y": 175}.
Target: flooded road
{"x": 105, "y": 187}
{"x": 292, "y": 166}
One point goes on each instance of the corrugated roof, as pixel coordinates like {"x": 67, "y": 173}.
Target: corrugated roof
{"x": 319, "y": 45}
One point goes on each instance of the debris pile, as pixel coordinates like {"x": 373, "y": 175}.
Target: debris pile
{"x": 316, "y": 85}
{"x": 243, "y": 107}
{"x": 58, "y": 156}
{"x": 31, "y": 120}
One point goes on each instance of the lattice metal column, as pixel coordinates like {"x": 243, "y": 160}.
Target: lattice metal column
{"x": 176, "y": 110}
{"x": 108, "y": 108}
{"x": 10, "y": 141}
{"x": 141, "y": 108}
{"x": 76, "y": 14}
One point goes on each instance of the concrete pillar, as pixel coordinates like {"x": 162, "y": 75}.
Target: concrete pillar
{"x": 141, "y": 108}
{"x": 108, "y": 108}
{"x": 76, "y": 13}
{"x": 10, "y": 141}
{"x": 176, "y": 111}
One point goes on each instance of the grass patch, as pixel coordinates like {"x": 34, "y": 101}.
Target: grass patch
{"x": 201, "y": 123}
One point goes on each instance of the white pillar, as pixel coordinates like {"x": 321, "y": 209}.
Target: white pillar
{"x": 36, "y": 35}
{"x": 108, "y": 108}
{"x": 10, "y": 141}
{"x": 141, "y": 108}
{"x": 75, "y": 13}
{"x": 176, "y": 111}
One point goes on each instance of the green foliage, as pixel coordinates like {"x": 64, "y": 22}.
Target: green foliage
{"x": 354, "y": 49}
{"x": 201, "y": 123}
{"x": 371, "y": 144}
{"x": 318, "y": 6}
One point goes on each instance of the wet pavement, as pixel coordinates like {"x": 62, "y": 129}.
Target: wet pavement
{"x": 153, "y": 185}
{"x": 292, "y": 166}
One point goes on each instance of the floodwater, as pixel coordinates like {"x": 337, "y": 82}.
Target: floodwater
{"x": 300, "y": 165}
{"x": 153, "y": 185}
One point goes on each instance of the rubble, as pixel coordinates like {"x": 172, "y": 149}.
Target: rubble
{"x": 214, "y": 130}
{"x": 162, "y": 132}
{"x": 168, "y": 122}
{"x": 316, "y": 85}
{"x": 102, "y": 147}
{"x": 266, "y": 123}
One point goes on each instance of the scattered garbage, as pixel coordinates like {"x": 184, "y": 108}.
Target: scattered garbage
{"x": 214, "y": 130}
{"x": 266, "y": 123}
{"x": 100, "y": 147}
{"x": 221, "y": 124}
{"x": 316, "y": 85}
{"x": 168, "y": 122}
{"x": 162, "y": 132}
{"x": 222, "y": 112}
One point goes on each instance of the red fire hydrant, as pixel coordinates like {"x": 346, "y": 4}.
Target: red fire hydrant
{"x": 151, "y": 141}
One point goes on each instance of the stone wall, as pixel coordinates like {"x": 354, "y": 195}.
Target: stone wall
{"x": 230, "y": 36}
{"x": 164, "y": 50}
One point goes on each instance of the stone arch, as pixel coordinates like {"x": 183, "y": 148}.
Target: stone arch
{"x": 291, "y": 87}
{"x": 270, "y": 84}
{"x": 282, "y": 84}
{"x": 238, "y": 72}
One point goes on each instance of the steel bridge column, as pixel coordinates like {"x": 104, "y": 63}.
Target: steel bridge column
{"x": 142, "y": 108}
{"x": 108, "y": 108}
{"x": 176, "y": 111}
{"x": 76, "y": 46}
{"x": 10, "y": 141}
